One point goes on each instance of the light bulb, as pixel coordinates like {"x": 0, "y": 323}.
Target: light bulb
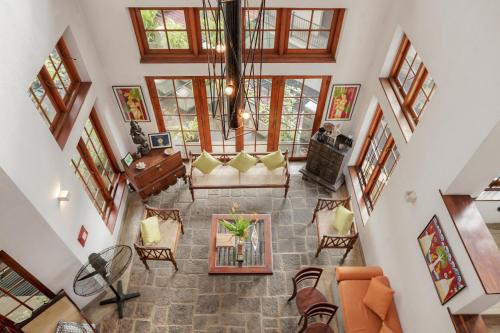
{"x": 245, "y": 115}
{"x": 220, "y": 48}
{"x": 229, "y": 90}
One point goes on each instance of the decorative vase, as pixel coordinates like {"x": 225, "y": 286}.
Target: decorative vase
{"x": 240, "y": 248}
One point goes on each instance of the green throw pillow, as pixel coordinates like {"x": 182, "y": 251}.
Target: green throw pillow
{"x": 206, "y": 162}
{"x": 243, "y": 161}
{"x": 342, "y": 220}
{"x": 150, "y": 230}
{"x": 273, "y": 160}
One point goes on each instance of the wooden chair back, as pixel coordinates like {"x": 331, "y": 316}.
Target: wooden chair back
{"x": 326, "y": 311}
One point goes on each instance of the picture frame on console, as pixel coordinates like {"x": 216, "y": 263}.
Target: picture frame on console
{"x": 131, "y": 102}
{"x": 160, "y": 140}
{"x": 128, "y": 159}
{"x": 446, "y": 276}
{"x": 342, "y": 102}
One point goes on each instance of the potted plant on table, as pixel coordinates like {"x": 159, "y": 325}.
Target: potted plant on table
{"x": 239, "y": 228}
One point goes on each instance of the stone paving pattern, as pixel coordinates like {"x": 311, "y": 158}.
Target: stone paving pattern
{"x": 190, "y": 300}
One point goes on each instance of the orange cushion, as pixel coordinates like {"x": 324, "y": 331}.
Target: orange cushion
{"x": 356, "y": 316}
{"x": 391, "y": 319}
{"x": 378, "y": 297}
{"x": 385, "y": 329}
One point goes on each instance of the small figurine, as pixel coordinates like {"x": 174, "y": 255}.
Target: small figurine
{"x": 139, "y": 138}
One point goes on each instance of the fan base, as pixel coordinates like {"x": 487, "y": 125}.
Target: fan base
{"x": 120, "y": 298}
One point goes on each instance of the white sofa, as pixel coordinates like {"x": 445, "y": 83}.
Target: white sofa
{"x": 227, "y": 177}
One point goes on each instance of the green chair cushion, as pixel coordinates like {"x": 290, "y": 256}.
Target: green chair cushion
{"x": 150, "y": 230}
{"x": 273, "y": 160}
{"x": 243, "y": 161}
{"x": 342, "y": 220}
{"x": 206, "y": 162}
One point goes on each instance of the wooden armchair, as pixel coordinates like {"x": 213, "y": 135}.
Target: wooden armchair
{"x": 328, "y": 237}
{"x": 170, "y": 227}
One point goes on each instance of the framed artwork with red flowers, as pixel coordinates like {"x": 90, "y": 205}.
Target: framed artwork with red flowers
{"x": 440, "y": 261}
{"x": 342, "y": 101}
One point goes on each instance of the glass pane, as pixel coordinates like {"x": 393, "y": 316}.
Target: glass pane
{"x": 56, "y": 59}
{"x": 49, "y": 109}
{"x": 298, "y": 39}
{"x": 157, "y": 39}
{"x": 100, "y": 202}
{"x": 172, "y": 122}
{"x": 186, "y": 106}
{"x": 409, "y": 81}
{"x": 178, "y": 40}
{"x": 50, "y": 67}
{"x": 300, "y": 19}
{"x": 37, "y": 88}
{"x": 174, "y": 19}
{"x": 59, "y": 86}
{"x": 309, "y": 105}
{"x": 403, "y": 72}
{"x": 213, "y": 39}
{"x": 287, "y": 136}
{"x": 164, "y": 88}
{"x": 312, "y": 87}
{"x": 168, "y": 106}
{"x": 184, "y": 88}
{"x": 152, "y": 19}
{"x": 410, "y": 54}
{"x": 267, "y": 40}
{"x": 318, "y": 39}
{"x": 285, "y": 147}
{"x": 428, "y": 85}
{"x": 293, "y": 88}
{"x": 191, "y": 137}
{"x": 306, "y": 122}
{"x": 291, "y": 105}
{"x": 419, "y": 103}
{"x": 322, "y": 19}
{"x": 300, "y": 150}
{"x": 63, "y": 74}
{"x": 263, "y": 122}
{"x": 288, "y": 122}
{"x": 20, "y": 314}
{"x": 210, "y": 22}
{"x": 189, "y": 123}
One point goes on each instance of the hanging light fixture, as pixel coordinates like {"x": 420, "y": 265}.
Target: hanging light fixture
{"x": 228, "y": 64}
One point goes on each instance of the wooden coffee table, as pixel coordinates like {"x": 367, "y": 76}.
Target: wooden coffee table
{"x": 259, "y": 260}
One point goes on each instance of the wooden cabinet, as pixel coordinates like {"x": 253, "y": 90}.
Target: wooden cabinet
{"x": 325, "y": 164}
{"x": 161, "y": 172}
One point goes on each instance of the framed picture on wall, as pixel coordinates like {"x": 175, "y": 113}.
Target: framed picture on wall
{"x": 131, "y": 103}
{"x": 160, "y": 140}
{"x": 342, "y": 101}
{"x": 445, "y": 274}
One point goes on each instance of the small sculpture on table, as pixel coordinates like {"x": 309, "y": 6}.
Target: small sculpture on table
{"x": 139, "y": 138}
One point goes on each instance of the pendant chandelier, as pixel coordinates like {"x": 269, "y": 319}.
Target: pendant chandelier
{"x": 233, "y": 86}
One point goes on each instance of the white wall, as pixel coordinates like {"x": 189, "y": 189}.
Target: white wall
{"x": 29, "y": 155}
{"x": 454, "y": 40}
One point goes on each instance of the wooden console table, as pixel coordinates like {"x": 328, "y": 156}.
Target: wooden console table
{"x": 222, "y": 260}
{"x": 161, "y": 172}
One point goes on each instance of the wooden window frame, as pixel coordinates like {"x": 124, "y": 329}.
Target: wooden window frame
{"x": 66, "y": 108}
{"x": 367, "y": 185}
{"x": 279, "y": 54}
{"x": 26, "y": 276}
{"x": 406, "y": 100}
{"x": 114, "y": 193}
{"x": 276, "y": 103}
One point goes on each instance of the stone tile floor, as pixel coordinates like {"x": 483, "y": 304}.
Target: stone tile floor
{"x": 192, "y": 301}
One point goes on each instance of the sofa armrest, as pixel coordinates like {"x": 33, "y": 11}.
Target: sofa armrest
{"x": 357, "y": 273}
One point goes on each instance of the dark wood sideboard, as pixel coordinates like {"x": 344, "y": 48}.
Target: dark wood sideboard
{"x": 324, "y": 164}
{"x": 161, "y": 172}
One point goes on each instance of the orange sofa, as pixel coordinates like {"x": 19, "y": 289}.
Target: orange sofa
{"x": 355, "y": 317}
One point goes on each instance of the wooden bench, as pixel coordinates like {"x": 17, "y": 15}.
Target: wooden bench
{"x": 227, "y": 177}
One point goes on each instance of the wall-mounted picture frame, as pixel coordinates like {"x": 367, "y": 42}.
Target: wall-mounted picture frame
{"x": 342, "y": 102}
{"x": 160, "y": 140}
{"x": 82, "y": 236}
{"x": 131, "y": 102}
{"x": 128, "y": 159}
{"x": 446, "y": 276}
